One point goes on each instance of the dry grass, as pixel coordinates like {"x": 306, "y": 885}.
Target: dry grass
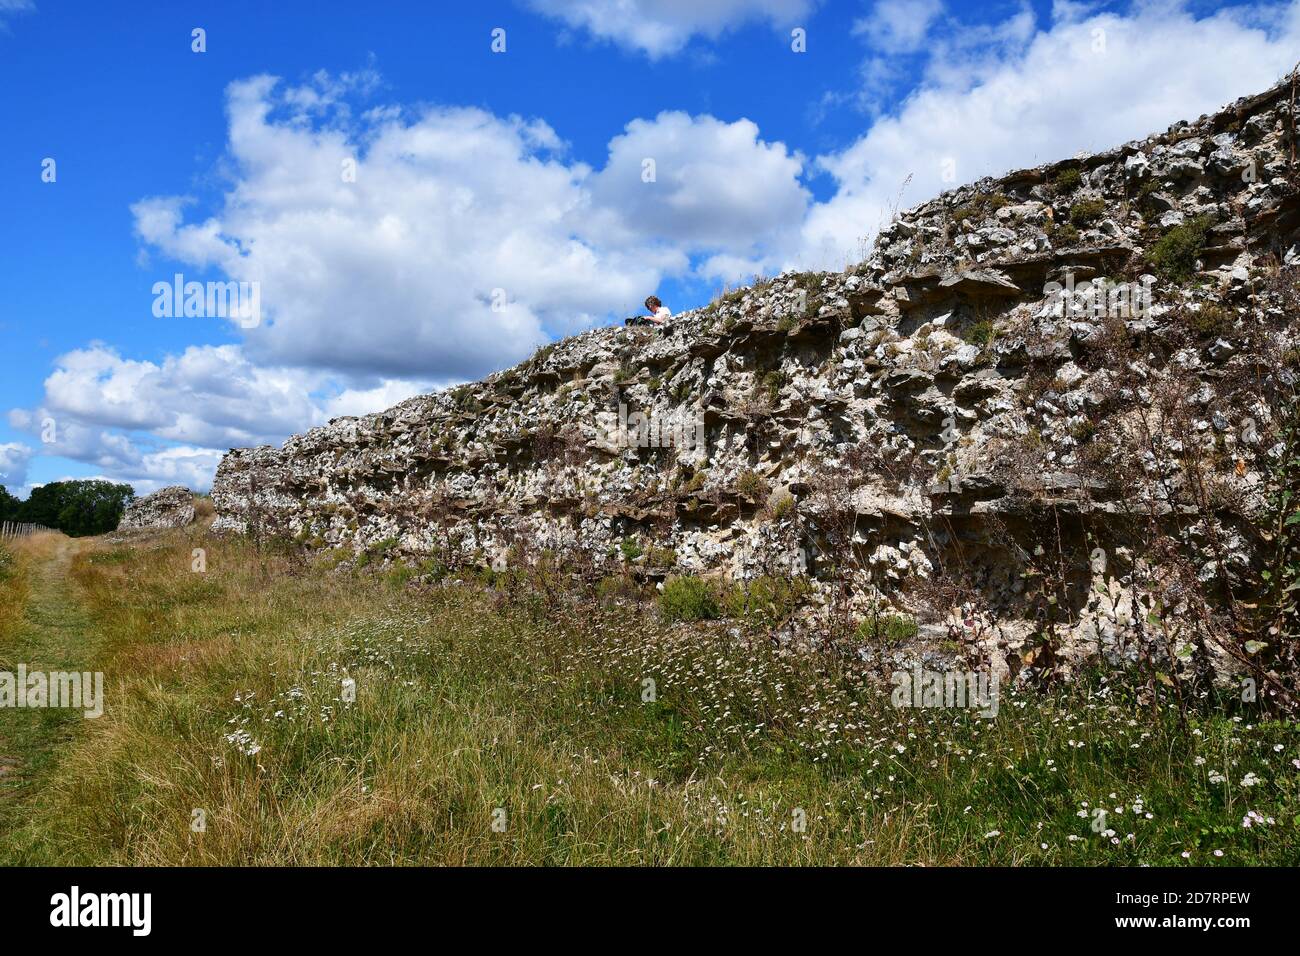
{"x": 476, "y": 706}
{"x": 13, "y": 591}
{"x": 16, "y": 556}
{"x": 204, "y": 511}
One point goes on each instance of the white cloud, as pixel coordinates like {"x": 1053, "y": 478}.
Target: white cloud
{"x": 210, "y": 395}
{"x": 1071, "y": 11}
{"x": 182, "y": 465}
{"x": 13, "y": 464}
{"x": 898, "y": 26}
{"x": 465, "y": 238}
{"x": 462, "y": 235}
{"x": 1042, "y": 96}
{"x": 170, "y": 422}
{"x": 717, "y": 186}
{"x": 363, "y": 401}
{"x": 894, "y": 32}
{"x": 92, "y": 444}
{"x": 397, "y": 269}
{"x": 662, "y": 27}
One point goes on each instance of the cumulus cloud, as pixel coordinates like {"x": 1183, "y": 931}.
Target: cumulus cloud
{"x": 363, "y": 401}
{"x": 179, "y": 465}
{"x": 13, "y": 464}
{"x": 152, "y": 423}
{"x": 111, "y": 452}
{"x": 465, "y": 238}
{"x": 142, "y": 461}
{"x": 1006, "y": 95}
{"x": 209, "y": 395}
{"x": 442, "y": 259}
{"x": 660, "y": 28}
{"x": 697, "y": 183}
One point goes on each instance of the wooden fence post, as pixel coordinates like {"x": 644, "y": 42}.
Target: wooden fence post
{"x": 20, "y": 529}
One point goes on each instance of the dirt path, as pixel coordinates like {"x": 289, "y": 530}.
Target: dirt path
{"x": 56, "y": 634}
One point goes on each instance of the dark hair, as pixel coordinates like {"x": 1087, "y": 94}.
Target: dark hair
{"x": 653, "y": 302}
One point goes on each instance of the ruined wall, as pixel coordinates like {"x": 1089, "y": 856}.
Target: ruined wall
{"x": 954, "y": 403}
{"x": 171, "y": 507}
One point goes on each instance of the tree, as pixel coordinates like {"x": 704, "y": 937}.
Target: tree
{"x": 9, "y": 505}
{"x": 77, "y": 508}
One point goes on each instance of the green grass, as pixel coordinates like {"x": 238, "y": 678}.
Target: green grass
{"x": 1067, "y": 180}
{"x": 1062, "y": 234}
{"x": 604, "y": 734}
{"x": 981, "y": 206}
{"x": 689, "y": 599}
{"x": 13, "y": 591}
{"x": 1085, "y": 212}
{"x": 766, "y": 601}
{"x": 44, "y": 632}
{"x": 630, "y": 548}
{"x": 1174, "y": 254}
{"x": 890, "y": 628}
{"x": 981, "y": 332}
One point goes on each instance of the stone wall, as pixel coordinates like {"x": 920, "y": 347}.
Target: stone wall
{"x": 171, "y": 507}
{"x": 949, "y": 409}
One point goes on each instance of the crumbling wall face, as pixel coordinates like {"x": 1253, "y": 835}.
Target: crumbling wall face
{"x": 1028, "y": 382}
{"x": 171, "y": 507}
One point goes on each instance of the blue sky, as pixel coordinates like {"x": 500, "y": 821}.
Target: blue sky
{"x": 499, "y": 199}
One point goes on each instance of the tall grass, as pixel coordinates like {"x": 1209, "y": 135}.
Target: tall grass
{"x": 17, "y": 555}
{"x": 511, "y": 727}
{"x": 13, "y": 591}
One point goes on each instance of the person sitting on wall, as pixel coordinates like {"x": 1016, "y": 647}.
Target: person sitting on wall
{"x": 659, "y": 314}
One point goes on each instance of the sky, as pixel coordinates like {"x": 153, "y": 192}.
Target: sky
{"x": 419, "y": 195}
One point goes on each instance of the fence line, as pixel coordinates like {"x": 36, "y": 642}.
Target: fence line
{"x": 16, "y": 529}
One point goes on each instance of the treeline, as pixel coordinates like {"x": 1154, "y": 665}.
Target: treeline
{"x": 77, "y": 508}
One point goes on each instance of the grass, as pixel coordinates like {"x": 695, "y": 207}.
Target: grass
{"x": 1085, "y": 212}
{"x": 597, "y": 732}
{"x": 767, "y": 600}
{"x": 981, "y": 333}
{"x": 689, "y": 599}
{"x": 42, "y": 630}
{"x": 981, "y": 206}
{"x": 1211, "y": 320}
{"x": 751, "y": 485}
{"x": 13, "y": 591}
{"x": 891, "y": 628}
{"x": 1063, "y": 234}
{"x": 1067, "y": 180}
{"x": 1174, "y": 255}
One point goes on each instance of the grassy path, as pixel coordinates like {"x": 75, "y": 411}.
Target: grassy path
{"x": 55, "y": 633}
